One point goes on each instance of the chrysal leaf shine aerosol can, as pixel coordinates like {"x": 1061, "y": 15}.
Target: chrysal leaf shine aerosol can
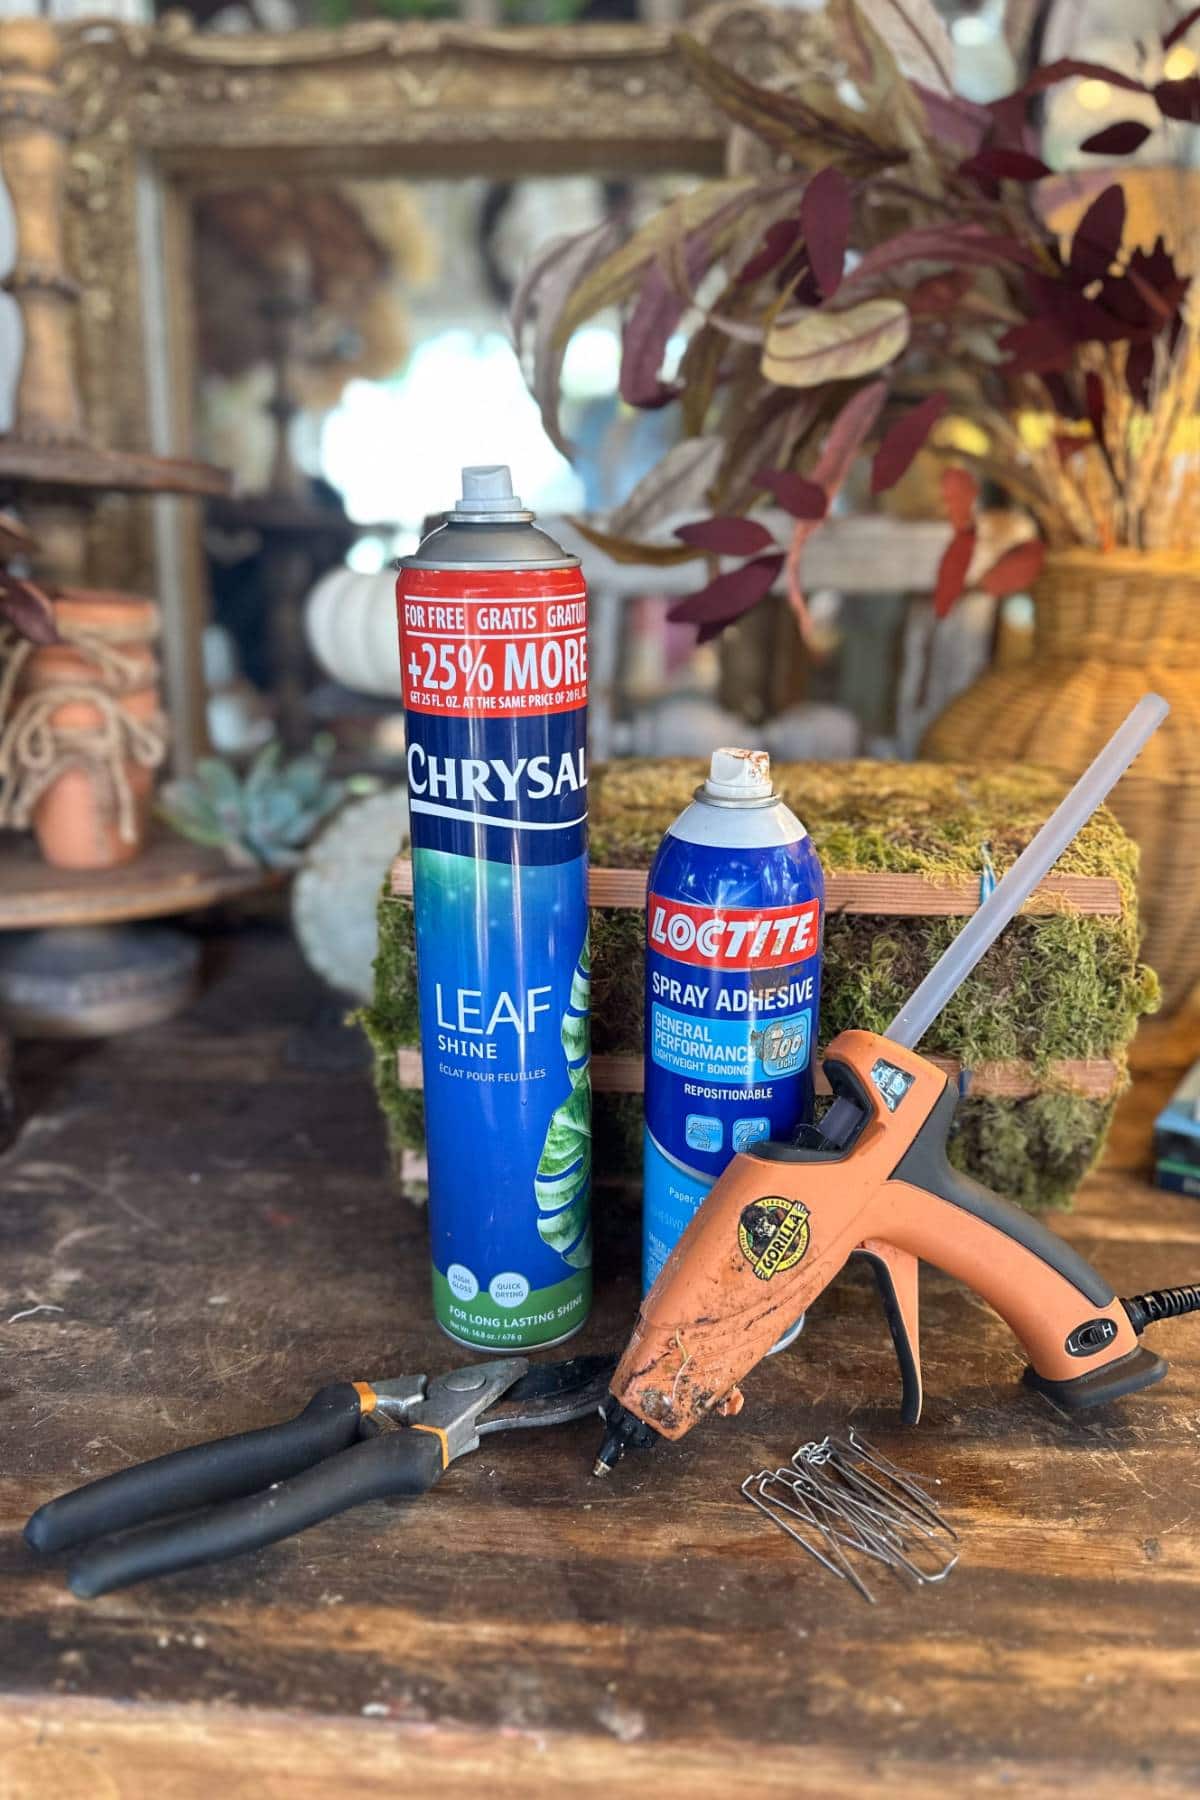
{"x": 734, "y": 916}
{"x": 493, "y": 648}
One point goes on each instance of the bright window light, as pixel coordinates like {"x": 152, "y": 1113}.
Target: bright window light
{"x": 367, "y": 556}
{"x": 972, "y": 30}
{"x": 1180, "y": 62}
{"x": 1094, "y": 95}
{"x": 592, "y": 364}
{"x": 394, "y": 449}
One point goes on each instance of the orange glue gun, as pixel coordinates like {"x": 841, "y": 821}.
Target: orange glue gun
{"x": 784, "y": 1218}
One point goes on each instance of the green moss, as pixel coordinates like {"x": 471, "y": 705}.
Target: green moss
{"x": 391, "y": 1021}
{"x": 618, "y": 988}
{"x": 904, "y": 817}
{"x": 618, "y": 1127}
{"x": 1056, "y": 987}
{"x": 1033, "y": 1151}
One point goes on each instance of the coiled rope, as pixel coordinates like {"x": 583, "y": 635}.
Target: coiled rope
{"x": 35, "y": 750}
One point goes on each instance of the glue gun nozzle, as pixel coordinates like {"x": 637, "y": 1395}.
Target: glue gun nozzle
{"x": 624, "y": 1428}
{"x": 610, "y": 1453}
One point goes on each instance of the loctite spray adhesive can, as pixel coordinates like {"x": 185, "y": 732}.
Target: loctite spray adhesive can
{"x": 733, "y": 982}
{"x": 493, "y": 646}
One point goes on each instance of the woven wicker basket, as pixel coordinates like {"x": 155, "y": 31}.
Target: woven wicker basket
{"x": 1108, "y": 628}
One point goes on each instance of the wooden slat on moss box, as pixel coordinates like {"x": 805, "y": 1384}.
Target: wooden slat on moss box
{"x": 879, "y": 893}
{"x": 1097, "y": 1078}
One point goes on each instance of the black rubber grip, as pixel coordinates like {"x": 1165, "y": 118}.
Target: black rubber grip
{"x": 396, "y": 1462}
{"x": 201, "y": 1475}
{"x": 1130, "y": 1373}
{"x": 911, "y": 1387}
{"x": 925, "y": 1165}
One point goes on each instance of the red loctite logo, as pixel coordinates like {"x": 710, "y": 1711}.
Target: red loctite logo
{"x": 732, "y": 937}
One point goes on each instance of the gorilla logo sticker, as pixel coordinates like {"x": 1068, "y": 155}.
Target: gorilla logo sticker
{"x": 773, "y": 1235}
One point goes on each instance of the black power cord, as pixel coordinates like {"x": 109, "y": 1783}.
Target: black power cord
{"x": 1163, "y": 1303}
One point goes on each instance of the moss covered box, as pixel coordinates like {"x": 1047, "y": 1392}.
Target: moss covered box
{"x": 1037, "y": 1034}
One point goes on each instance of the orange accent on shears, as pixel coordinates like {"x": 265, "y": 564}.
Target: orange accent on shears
{"x": 440, "y": 1434}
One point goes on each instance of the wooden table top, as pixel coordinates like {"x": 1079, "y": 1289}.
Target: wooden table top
{"x": 206, "y": 1209}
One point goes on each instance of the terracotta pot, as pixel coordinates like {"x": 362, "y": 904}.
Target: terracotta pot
{"x": 76, "y": 821}
{"x": 1108, "y": 628}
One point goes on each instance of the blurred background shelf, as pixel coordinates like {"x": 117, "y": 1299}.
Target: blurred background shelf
{"x": 170, "y": 877}
{"x": 115, "y": 471}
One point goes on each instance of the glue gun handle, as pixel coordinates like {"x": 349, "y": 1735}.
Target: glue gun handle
{"x": 925, "y": 1165}
{"x": 896, "y": 1276}
{"x": 1062, "y": 1310}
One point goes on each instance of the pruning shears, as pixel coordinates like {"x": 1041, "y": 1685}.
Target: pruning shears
{"x": 354, "y": 1441}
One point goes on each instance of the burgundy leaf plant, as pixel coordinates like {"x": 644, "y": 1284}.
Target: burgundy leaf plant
{"x": 906, "y": 278}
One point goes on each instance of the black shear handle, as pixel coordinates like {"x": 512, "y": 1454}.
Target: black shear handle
{"x": 201, "y": 1475}
{"x": 405, "y": 1462}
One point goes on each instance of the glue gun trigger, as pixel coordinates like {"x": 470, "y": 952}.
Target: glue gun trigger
{"x": 897, "y": 1278}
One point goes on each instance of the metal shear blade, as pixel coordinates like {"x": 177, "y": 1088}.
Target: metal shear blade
{"x": 551, "y": 1394}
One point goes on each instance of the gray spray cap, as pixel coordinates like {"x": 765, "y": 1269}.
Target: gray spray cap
{"x": 487, "y": 493}
{"x": 488, "y": 528}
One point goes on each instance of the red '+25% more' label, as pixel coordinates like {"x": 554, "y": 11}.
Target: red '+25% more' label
{"x": 474, "y": 657}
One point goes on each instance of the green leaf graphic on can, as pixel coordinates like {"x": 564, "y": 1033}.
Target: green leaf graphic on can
{"x": 563, "y": 1180}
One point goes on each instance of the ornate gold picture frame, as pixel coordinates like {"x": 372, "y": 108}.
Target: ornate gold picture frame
{"x": 161, "y": 111}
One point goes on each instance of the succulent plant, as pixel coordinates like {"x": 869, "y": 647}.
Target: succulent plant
{"x": 260, "y": 820}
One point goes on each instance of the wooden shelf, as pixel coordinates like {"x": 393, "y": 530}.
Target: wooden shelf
{"x": 170, "y": 876}
{"x": 884, "y": 894}
{"x": 110, "y": 471}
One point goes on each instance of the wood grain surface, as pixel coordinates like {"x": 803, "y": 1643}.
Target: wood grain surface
{"x": 206, "y": 1208}
{"x": 869, "y": 892}
{"x": 1094, "y": 1076}
{"x": 170, "y": 876}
